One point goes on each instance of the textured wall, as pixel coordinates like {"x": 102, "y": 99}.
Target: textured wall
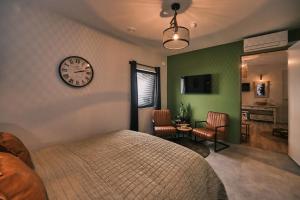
{"x": 223, "y": 63}
{"x": 35, "y": 104}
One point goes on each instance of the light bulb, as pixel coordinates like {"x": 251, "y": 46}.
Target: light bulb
{"x": 175, "y": 36}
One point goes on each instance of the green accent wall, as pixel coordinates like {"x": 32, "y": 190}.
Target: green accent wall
{"x": 223, "y": 63}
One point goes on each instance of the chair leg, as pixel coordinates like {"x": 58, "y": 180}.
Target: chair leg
{"x": 248, "y": 127}
{"x": 225, "y": 146}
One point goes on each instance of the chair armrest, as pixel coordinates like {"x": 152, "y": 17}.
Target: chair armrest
{"x": 153, "y": 126}
{"x": 199, "y": 122}
{"x": 217, "y": 127}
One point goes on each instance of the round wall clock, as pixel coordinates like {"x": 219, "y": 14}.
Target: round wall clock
{"x": 76, "y": 71}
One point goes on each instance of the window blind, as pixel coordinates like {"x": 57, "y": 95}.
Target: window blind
{"x": 146, "y": 88}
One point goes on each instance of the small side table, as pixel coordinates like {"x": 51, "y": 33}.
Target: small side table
{"x": 182, "y": 124}
{"x": 184, "y": 130}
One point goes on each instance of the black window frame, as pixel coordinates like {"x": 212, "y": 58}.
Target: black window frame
{"x": 154, "y": 88}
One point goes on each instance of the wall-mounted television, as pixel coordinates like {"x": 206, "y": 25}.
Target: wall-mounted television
{"x": 201, "y": 84}
{"x": 245, "y": 87}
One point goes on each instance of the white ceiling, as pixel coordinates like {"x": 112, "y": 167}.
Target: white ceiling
{"x": 218, "y": 21}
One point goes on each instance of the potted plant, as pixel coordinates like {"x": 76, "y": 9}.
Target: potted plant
{"x": 184, "y": 113}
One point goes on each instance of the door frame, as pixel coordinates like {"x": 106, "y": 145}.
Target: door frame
{"x": 240, "y": 74}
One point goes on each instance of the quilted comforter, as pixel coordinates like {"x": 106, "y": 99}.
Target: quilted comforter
{"x": 126, "y": 165}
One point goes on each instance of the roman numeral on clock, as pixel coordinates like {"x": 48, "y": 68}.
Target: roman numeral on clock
{"x": 65, "y": 76}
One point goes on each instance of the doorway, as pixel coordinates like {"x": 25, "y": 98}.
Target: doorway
{"x": 264, "y": 96}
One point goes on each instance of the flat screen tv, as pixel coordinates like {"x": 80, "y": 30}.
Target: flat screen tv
{"x": 200, "y": 84}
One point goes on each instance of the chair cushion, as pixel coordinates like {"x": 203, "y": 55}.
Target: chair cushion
{"x": 215, "y": 119}
{"x": 162, "y": 117}
{"x": 18, "y": 181}
{"x": 164, "y": 130}
{"x": 13, "y": 145}
{"x": 203, "y": 132}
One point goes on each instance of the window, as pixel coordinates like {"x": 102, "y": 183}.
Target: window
{"x": 146, "y": 88}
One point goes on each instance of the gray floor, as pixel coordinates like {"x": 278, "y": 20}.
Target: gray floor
{"x": 251, "y": 173}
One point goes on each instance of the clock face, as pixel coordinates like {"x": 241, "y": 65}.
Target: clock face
{"x": 76, "y": 71}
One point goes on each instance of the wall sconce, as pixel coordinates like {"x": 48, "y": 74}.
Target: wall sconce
{"x": 244, "y": 70}
{"x": 260, "y": 77}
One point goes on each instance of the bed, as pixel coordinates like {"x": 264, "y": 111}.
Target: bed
{"x": 126, "y": 165}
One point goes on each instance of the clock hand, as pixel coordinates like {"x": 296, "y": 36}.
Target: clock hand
{"x": 79, "y": 71}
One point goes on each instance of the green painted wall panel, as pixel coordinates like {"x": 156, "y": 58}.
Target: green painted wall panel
{"x": 223, "y": 63}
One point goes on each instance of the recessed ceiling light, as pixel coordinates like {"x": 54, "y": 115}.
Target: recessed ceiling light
{"x": 194, "y": 24}
{"x": 131, "y": 29}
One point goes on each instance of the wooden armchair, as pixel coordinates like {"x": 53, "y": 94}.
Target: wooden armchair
{"x": 162, "y": 123}
{"x": 213, "y": 128}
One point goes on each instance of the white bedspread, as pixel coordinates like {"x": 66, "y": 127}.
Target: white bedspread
{"x": 126, "y": 165}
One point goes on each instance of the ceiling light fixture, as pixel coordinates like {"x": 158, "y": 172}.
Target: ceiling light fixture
{"x": 244, "y": 70}
{"x": 131, "y": 29}
{"x": 176, "y": 37}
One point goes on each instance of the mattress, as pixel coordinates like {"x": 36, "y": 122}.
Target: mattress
{"x": 126, "y": 165}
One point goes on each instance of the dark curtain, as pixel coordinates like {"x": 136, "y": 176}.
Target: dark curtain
{"x": 158, "y": 95}
{"x": 134, "y": 115}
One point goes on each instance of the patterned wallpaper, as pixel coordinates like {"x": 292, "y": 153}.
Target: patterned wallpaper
{"x": 39, "y": 107}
